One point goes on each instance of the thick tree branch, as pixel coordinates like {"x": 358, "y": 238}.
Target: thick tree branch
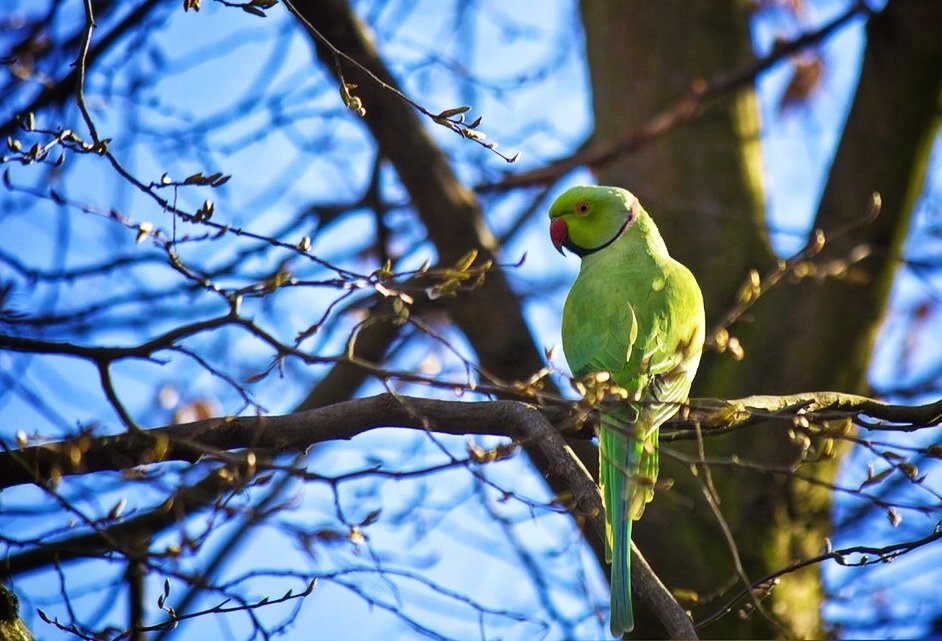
{"x": 279, "y": 434}
{"x": 713, "y": 415}
{"x": 342, "y": 421}
{"x": 296, "y": 432}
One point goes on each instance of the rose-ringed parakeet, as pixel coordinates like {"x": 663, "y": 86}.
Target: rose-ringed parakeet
{"x": 636, "y": 313}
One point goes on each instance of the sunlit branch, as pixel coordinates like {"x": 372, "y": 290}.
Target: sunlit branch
{"x": 767, "y": 469}
{"x": 343, "y": 421}
{"x": 799, "y": 265}
{"x": 715, "y": 415}
{"x": 11, "y": 625}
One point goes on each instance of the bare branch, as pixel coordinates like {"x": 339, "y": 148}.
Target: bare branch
{"x": 120, "y": 537}
{"x": 80, "y": 67}
{"x": 865, "y": 555}
{"x": 447, "y": 209}
{"x": 59, "y": 92}
{"x": 453, "y": 119}
{"x": 539, "y": 429}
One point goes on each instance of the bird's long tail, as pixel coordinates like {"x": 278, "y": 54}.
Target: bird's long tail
{"x": 627, "y": 472}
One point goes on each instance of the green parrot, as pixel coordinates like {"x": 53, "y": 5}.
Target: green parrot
{"x": 636, "y": 313}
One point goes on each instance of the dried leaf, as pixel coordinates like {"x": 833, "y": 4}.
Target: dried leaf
{"x": 805, "y": 80}
{"x": 894, "y": 517}
{"x": 255, "y": 11}
{"x": 371, "y": 518}
{"x": 873, "y": 479}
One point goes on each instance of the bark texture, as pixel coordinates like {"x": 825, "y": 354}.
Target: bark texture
{"x": 703, "y": 186}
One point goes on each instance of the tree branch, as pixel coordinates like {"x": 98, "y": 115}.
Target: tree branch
{"x": 342, "y": 421}
{"x": 58, "y": 92}
{"x": 538, "y": 429}
{"x": 713, "y": 415}
{"x": 175, "y": 509}
{"x": 855, "y": 556}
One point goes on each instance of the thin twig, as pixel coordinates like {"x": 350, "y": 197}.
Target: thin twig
{"x": 452, "y": 119}
{"x": 712, "y": 500}
{"x": 80, "y": 67}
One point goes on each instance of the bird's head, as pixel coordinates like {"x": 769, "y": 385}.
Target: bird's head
{"x": 589, "y": 218}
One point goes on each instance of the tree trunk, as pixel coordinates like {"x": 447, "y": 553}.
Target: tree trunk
{"x": 702, "y": 184}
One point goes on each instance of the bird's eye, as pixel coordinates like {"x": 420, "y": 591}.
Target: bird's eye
{"x": 582, "y": 208}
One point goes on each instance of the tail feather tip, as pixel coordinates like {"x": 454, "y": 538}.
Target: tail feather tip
{"x": 622, "y": 621}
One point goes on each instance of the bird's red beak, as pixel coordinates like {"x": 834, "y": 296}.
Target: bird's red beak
{"x": 559, "y": 233}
